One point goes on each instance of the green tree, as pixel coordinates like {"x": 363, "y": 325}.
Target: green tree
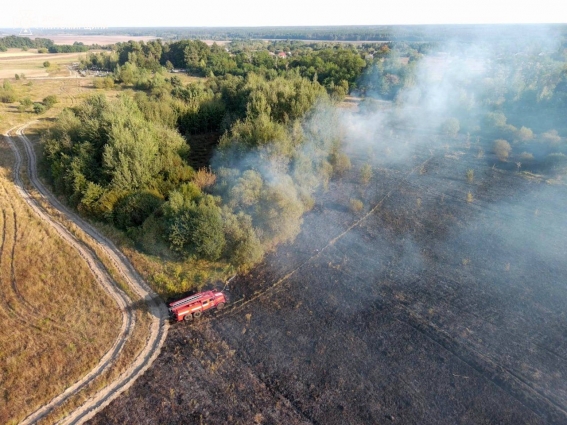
{"x": 135, "y": 208}
{"x": 198, "y": 230}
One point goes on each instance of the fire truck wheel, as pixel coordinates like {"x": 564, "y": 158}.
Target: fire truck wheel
{"x": 188, "y": 317}
{"x": 220, "y": 306}
{"x": 197, "y": 314}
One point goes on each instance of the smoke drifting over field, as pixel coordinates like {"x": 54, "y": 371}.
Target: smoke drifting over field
{"x": 440, "y": 301}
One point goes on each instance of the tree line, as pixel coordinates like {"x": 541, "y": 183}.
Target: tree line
{"x": 125, "y": 162}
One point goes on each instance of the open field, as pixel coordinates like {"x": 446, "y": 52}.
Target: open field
{"x": 30, "y": 63}
{"x": 90, "y": 366}
{"x": 429, "y": 306}
{"x": 101, "y": 40}
{"x": 57, "y": 322}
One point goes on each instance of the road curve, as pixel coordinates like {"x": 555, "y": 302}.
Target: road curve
{"x": 158, "y": 311}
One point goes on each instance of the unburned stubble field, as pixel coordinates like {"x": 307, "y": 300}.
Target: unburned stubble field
{"x": 56, "y": 320}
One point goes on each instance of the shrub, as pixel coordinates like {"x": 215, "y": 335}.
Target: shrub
{"x": 42, "y": 50}
{"x": 526, "y": 156}
{"x": 103, "y": 83}
{"x": 341, "y": 163}
{"x": 7, "y": 97}
{"x": 39, "y": 108}
{"x": 46, "y": 64}
{"x": 356, "y": 205}
{"x": 26, "y": 102}
{"x": 134, "y": 209}
{"x": 502, "y": 149}
{"x": 470, "y": 175}
{"x": 525, "y": 134}
{"x": 50, "y": 100}
{"x": 365, "y": 173}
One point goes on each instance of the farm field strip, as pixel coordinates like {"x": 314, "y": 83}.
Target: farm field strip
{"x": 158, "y": 329}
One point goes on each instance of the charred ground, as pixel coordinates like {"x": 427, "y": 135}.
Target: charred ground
{"x": 445, "y": 304}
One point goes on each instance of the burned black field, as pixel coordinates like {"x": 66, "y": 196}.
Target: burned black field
{"x": 442, "y": 302}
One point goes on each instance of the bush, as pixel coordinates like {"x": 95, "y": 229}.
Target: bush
{"x": 26, "y": 102}
{"x": 50, "y": 100}
{"x": 42, "y": 50}
{"x": 39, "y": 108}
{"x": 104, "y": 83}
{"x": 134, "y": 209}
{"x": 502, "y": 149}
{"x": 7, "y": 97}
{"x": 341, "y": 163}
{"x": 46, "y": 64}
{"x": 470, "y": 175}
{"x": 365, "y": 173}
{"x": 525, "y": 134}
{"x": 356, "y": 205}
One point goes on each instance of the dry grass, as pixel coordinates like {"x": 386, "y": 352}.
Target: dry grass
{"x": 56, "y": 320}
{"x": 30, "y": 63}
{"x": 139, "y": 335}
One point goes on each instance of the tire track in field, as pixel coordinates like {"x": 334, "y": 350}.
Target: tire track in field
{"x": 100, "y": 274}
{"x": 30, "y": 310}
{"x": 159, "y": 324}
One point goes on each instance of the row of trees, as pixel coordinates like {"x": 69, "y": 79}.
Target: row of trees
{"x": 14, "y": 42}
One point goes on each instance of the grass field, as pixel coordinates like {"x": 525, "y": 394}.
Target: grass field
{"x": 30, "y": 63}
{"x": 56, "y": 320}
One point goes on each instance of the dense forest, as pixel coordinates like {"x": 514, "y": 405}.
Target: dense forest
{"x": 270, "y": 109}
{"x": 14, "y": 42}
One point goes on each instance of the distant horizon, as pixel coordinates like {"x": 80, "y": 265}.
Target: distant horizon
{"x": 93, "y": 28}
{"x": 255, "y": 13}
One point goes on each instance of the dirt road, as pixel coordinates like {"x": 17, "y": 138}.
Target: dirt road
{"x": 18, "y": 141}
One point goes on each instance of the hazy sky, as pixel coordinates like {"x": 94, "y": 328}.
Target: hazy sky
{"x": 111, "y": 13}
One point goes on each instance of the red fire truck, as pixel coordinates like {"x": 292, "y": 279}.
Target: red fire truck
{"x": 194, "y": 305}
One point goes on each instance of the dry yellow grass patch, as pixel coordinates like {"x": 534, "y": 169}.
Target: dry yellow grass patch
{"x": 56, "y": 322}
{"x": 141, "y": 331}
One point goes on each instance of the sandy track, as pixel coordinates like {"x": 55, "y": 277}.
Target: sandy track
{"x": 159, "y": 324}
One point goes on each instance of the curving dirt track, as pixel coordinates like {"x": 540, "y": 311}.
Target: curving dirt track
{"x": 159, "y": 325}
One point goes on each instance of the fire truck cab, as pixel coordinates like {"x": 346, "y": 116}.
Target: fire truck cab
{"x": 193, "y": 306}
